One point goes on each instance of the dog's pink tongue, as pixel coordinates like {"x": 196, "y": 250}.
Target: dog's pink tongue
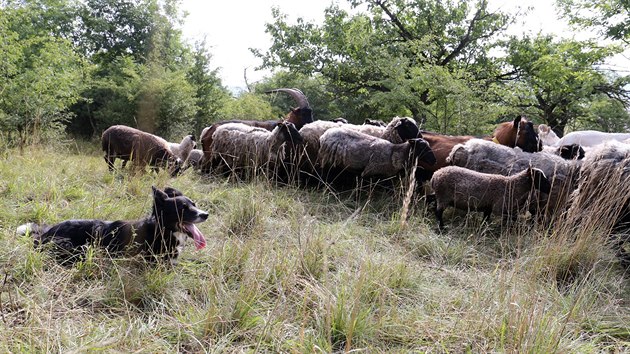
{"x": 200, "y": 240}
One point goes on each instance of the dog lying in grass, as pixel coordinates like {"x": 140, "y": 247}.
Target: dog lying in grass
{"x": 159, "y": 236}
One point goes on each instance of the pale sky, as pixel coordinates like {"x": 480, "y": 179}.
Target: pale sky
{"x": 233, "y": 26}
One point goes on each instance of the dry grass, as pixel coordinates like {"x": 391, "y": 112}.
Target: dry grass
{"x": 296, "y": 270}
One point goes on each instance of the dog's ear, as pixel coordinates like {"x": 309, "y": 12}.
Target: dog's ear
{"x": 159, "y": 195}
{"x": 172, "y": 192}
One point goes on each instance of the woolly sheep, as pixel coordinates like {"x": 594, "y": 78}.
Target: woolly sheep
{"x": 466, "y": 189}
{"x": 183, "y": 148}
{"x": 488, "y": 157}
{"x": 241, "y": 146}
{"x": 142, "y": 148}
{"x": 194, "y": 159}
{"x": 602, "y": 200}
{"x": 367, "y": 155}
{"x": 400, "y": 129}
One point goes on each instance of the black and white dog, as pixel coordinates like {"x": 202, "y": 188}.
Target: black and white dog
{"x": 159, "y": 236}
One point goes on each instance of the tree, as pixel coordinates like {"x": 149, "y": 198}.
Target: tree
{"x": 560, "y": 79}
{"x": 405, "y": 57}
{"x": 41, "y": 77}
{"x": 209, "y": 94}
{"x": 611, "y": 17}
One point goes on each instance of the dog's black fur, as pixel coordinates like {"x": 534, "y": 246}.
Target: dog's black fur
{"x": 159, "y": 236}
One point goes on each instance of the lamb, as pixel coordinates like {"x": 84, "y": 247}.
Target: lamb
{"x": 369, "y": 156}
{"x": 488, "y": 157}
{"x": 183, "y": 149}
{"x": 126, "y": 143}
{"x": 194, "y": 159}
{"x": 466, "y": 189}
{"x": 240, "y": 146}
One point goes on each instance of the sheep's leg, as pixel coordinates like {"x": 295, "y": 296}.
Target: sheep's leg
{"x": 110, "y": 160}
{"x": 439, "y": 212}
{"x": 486, "y": 214}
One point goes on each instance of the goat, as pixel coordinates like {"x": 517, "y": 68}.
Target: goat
{"x": 126, "y": 143}
{"x": 466, "y": 189}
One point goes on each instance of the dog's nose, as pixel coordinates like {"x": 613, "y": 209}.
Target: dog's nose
{"x": 204, "y": 215}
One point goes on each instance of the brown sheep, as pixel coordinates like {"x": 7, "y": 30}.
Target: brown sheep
{"x": 142, "y": 148}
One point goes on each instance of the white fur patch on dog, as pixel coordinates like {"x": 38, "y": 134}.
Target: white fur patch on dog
{"x": 24, "y": 229}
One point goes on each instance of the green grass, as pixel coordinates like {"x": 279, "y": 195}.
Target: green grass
{"x": 295, "y": 270}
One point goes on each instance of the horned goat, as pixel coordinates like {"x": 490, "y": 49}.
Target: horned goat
{"x": 466, "y": 189}
{"x": 142, "y": 148}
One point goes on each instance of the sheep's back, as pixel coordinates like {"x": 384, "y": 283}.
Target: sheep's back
{"x": 488, "y": 157}
{"x": 352, "y": 150}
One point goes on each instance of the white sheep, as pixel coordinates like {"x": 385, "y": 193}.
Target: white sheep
{"x": 367, "y": 155}
{"x": 488, "y": 157}
{"x": 584, "y": 138}
{"x": 194, "y": 160}
{"x": 466, "y": 189}
{"x": 241, "y": 146}
{"x": 183, "y": 148}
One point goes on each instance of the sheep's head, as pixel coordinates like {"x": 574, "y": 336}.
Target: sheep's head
{"x": 539, "y": 180}
{"x": 376, "y": 122}
{"x": 290, "y": 133}
{"x": 406, "y": 128}
{"x": 340, "y": 120}
{"x": 188, "y": 143}
{"x": 547, "y": 135}
{"x": 572, "y": 152}
{"x": 420, "y": 149}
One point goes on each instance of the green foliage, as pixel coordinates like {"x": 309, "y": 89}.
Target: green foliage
{"x": 611, "y": 17}
{"x": 41, "y": 78}
{"x": 415, "y": 58}
{"x": 248, "y": 106}
{"x": 558, "y": 79}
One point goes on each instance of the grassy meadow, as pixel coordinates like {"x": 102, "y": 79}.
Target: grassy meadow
{"x": 290, "y": 269}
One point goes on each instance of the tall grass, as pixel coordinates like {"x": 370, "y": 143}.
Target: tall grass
{"x": 298, "y": 270}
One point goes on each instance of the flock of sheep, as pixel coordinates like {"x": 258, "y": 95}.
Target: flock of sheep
{"x": 516, "y": 169}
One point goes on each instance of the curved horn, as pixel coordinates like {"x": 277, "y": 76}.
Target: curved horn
{"x": 297, "y": 95}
